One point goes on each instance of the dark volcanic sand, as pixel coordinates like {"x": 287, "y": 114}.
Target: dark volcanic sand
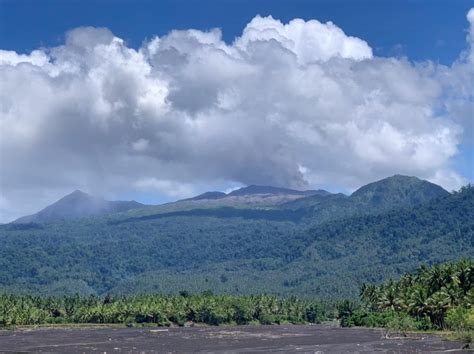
{"x": 263, "y": 339}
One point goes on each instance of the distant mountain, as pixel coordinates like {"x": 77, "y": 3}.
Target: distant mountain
{"x": 398, "y": 191}
{"x": 77, "y": 205}
{"x": 253, "y": 190}
{"x": 207, "y": 196}
{"x": 246, "y": 197}
{"x": 389, "y": 193}
{"x": 249, "y": 197}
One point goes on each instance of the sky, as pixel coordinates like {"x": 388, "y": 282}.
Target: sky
{"x": 161, "y": 100}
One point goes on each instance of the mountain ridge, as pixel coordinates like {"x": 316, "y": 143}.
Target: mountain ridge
{"x": 206, "y": 196}
{"x": 404, "y": 186}
{"x": 258, "y": 189}
{"x": 394, "y": 191}
{"x": 77, "y": 205}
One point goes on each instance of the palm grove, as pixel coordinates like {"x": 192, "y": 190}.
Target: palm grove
{"x": 438, "y": 297}
{"x": 435, "y": 297}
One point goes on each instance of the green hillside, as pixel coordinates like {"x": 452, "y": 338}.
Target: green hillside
{"x": 323, "y": 245}
{"x": 333, "y": 259}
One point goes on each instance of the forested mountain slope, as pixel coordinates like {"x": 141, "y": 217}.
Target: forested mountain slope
{"x": 375, "y": 198}
{"x": 309, "y": 249}
{"x": 333, "y": 259}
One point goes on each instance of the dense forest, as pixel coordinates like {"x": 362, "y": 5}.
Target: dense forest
{"x": 321, "y": 246}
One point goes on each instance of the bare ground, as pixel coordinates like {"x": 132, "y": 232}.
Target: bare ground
{"x": 238, "y": 339}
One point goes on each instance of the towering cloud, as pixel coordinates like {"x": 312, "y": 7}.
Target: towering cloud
{"x": 298, "y": 104}
{"x": 310, "y": 41}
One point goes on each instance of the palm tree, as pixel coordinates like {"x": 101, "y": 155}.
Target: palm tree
{"x": 417, "y": 301}
{"x": 437, "y": 306}
{"x": 388, "y": 298}
{"x": 454, "y": 293}
{"x": 435, "y": 278}
{"x": 464, "y": 274}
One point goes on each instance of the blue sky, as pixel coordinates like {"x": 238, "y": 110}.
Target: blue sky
{"x": 419, "y": 29}
{"x": 114, "y": 110}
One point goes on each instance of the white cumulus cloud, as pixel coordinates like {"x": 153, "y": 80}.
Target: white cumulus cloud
{"x": 310, "y": 41}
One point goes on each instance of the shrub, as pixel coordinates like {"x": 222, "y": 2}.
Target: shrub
{"x": 402, "y": 323}
{"x": 460, "y": 319}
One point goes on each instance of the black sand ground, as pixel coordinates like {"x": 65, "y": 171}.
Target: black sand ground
{"x": 248, "y": 339}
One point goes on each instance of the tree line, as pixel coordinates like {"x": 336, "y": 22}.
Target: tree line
{"x": 436, "y": 297}
{"x": 161, "y": 310}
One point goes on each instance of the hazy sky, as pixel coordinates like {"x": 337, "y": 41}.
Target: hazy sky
{"x": 156, "y": 101}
